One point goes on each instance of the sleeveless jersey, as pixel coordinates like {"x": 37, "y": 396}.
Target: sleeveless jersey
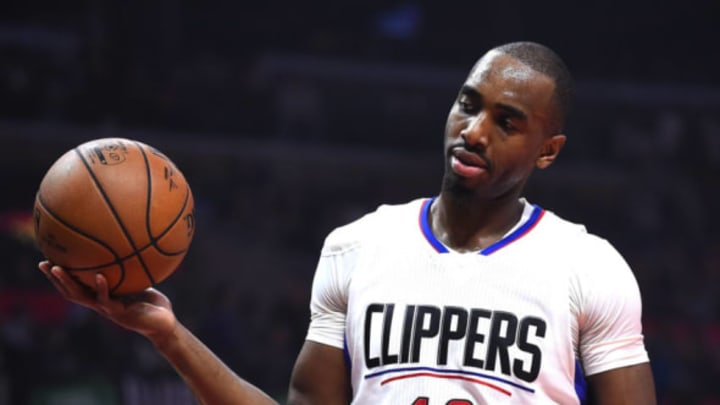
{"x": 516, "y": 322}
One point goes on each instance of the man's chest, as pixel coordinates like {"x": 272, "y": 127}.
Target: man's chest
{"x": 460, "y": 311}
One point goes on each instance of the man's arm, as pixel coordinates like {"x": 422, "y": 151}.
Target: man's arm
{"x": 150, "y": 314}
{"x": 320, "y": 377}
{"x": 623, "y": 386}
{"x": 209, "y": 379}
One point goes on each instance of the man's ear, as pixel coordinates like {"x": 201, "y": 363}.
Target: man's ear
{"x": 551, "y": 148}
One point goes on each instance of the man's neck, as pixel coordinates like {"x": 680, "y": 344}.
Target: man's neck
{"x": 467, "y": 224}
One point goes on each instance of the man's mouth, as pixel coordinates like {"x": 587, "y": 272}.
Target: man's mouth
{"x": 468, "y": 164}
{"x": 470, "y": 159}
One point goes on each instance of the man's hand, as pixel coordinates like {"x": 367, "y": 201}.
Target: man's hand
{"x": 148, "y": 313}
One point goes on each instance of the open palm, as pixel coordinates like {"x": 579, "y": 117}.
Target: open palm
{"x": 148, "y": 313}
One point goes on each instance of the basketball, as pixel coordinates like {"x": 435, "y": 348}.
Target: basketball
{"x": 118, "y": 207}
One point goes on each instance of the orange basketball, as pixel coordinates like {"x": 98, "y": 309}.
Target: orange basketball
{"x": 117, "y": 207}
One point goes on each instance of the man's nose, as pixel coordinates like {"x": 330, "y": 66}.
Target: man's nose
{"x": 477, "y": 130}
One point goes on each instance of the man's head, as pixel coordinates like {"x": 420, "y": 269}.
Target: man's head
{"x": 544, "y": 60}
{"x": 506, "y": 120}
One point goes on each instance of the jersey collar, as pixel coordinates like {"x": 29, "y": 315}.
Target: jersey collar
{"x": 520, "y": 230}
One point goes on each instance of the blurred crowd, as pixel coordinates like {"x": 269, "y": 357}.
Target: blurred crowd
{"x": 244, "y": 287}
{"x": 289, "y": 121}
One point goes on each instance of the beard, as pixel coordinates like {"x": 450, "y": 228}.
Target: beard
{"x": 453, "y": 187}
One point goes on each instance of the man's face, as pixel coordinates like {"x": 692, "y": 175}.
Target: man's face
{"x": 497, "y": 129}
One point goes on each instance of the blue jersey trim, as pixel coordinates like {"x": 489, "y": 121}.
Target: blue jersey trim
{"x": 535, "y": 216}
{"x": 580, "y": 383}
{"x": 346, "y": 354}
{"x": 425, "y": 226}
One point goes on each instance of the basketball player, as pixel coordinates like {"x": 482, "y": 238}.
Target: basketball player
{"x": 475, "y": 296}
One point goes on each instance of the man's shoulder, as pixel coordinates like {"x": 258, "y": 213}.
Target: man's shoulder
{"x": 576, "y": 241}
{"x": 563, "y": 227}
{"x": 384, "y": 220}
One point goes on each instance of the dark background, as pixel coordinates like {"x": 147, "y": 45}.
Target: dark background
{"x": 291, "y": 118}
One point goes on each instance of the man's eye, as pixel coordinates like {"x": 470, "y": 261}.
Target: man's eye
{"x": 465, "y": 105}
{"x": 507, "y": 124}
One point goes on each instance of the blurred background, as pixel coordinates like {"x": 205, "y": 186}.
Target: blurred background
{"x": 291, "y": 118}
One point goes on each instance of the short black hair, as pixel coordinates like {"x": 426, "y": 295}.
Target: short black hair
{"x": 544, "y": 60}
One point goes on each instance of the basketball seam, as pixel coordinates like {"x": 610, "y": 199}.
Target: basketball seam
{"x": 153, "y": 239}
{"x": 148, "y": 202}
{"x": 120, "y": 259}
{"x": 54, "y": 215}
{"x": 116, "y": 216}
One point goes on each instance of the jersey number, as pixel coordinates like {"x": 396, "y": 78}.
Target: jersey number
{"x": 426, "y": 401}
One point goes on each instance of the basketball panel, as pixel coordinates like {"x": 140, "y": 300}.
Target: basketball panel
{"x": 112, "y": 272}
{"x": 161, "y": 265}
{"x": 69, "y": 192}
{"x": 67, "y": 246}
{"x": 123, "y": 278}
{"x": 120, "y": 169}
{"x": 170, "y": 193}
{"x": 177, "y": 237}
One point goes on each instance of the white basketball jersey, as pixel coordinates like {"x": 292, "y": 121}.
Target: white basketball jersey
{"x": 513, "y": 323}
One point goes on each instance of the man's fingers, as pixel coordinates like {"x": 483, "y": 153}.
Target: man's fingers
{"x": 155, "y": 297}
{"x": 71, "y": 288}
{"x": 102, "y": 294}
{"x": 46, "y": 268}
{"x": 98, "y": 296}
